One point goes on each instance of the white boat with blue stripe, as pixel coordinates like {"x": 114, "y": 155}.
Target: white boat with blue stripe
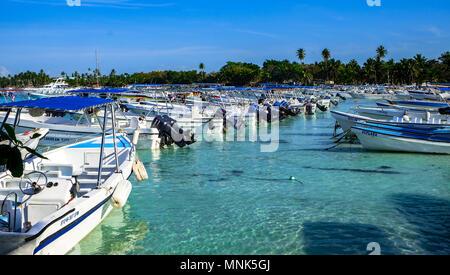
{"x": 61, "y": 199}
{"x": 378, "y": 137}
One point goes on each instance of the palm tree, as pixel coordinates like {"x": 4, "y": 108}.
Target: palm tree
{"x": 301, "y": 54}
{"x": 445, "y": 58}
{"x": 334, "y": 66}
{"x": 202, "y": 68}
{"x": 381, "y": 52}
{"x": 307, "y": 77}
{"x": 407, "y": 70}
{"x": 369, "y": 70}
{"x": 326, "y": 55}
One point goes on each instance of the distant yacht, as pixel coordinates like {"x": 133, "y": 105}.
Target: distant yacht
{"x": 57, "y": 88}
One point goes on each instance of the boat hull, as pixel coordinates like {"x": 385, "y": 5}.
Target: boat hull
{"x": 375, "y": 141}
{"x": 59, "y": 232}
{"x": 347, "y": 121}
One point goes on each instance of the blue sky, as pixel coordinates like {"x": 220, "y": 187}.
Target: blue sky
{"x": 145, "y": 35}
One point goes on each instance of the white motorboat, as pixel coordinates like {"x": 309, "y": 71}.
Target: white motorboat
{"x": 59, "y": 200}
{"x": 347, "y": 121}
{"x": 381, "y": 138}
{"x": 389, "y": 113}
{"x": 378, "y": 93}
{"x": 134, "y": 108}
{"x": 425, "y": 105}
{"x": 71, "y": 127}
{"x": 56, "y": 88}
{"x": 429, "y": 94}
{"x": 29, "y": 140}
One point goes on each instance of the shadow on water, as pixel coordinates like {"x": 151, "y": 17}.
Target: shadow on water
{"x": 326, "y": 146}
{"x": 309, "y": 134}
{"x": 430, "y": 217}
{"x": 356, "y": 170}
{"x": 333, "y": 238}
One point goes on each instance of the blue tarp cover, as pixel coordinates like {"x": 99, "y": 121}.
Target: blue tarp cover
{"x": 64, "y": 103}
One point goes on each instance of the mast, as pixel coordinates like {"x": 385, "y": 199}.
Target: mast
{"x": 97, "y": 71}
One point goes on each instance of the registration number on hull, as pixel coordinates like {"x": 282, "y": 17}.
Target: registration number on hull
{"x": 370, "y": 133}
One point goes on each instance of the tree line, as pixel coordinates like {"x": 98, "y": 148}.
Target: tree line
{"x": 375, "y": 70}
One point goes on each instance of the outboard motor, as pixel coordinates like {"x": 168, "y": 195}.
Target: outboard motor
{"x": 235, "y": 121}
{"x": 267, "y": 113}
{"x": 309, "y": 109}
{"x": 334, "y": 102}
{"x": 289, "y": 110}
{"x": 262, "y": 99}
{"x": 171, "y": 133}
{"x": 124, "y": 108}
{"x": 283, "y": 109}
{"x": 444, "y": 111}
{"x": 321, "y": 107}
{"x": 340, "y": 96}
{"x": 262, "y": 114}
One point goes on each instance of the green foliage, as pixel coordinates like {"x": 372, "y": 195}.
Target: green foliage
{"x": 301, "y": 54}
{"x": 283, "y": 72}
{"x": 25, "y": 79}
{"x": 239, "y": 74}
{"x": 374, "y": 70}
{"x": 10, "y": 155}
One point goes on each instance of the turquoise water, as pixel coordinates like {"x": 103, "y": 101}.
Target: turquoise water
{"x": 229, "y": 198}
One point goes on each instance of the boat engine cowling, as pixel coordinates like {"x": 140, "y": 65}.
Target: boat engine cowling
{"x": 322, "y": 107}
{"x": 230, "y": 119}
{"x": 171, "y": 133}
{"x": 444, "y": 111}
{"x": 340, "y": 96}
{"x": 309, "y": 109}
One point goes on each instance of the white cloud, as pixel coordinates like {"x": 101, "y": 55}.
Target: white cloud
{"x": 434, "y": 30}
{"x": 3, "y": 71}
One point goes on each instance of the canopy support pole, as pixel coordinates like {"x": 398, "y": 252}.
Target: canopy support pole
{"x": 16, "y": 119}
{"x": 5, "y": 119}
{"x": 100, "y": 165}
{"x": 113, "y": 117}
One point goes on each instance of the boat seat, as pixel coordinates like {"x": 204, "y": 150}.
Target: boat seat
{"x": 10, "y": 185}
{"x": 59, "y": 170}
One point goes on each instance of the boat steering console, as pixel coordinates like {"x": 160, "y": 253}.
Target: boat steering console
{"x": 33, "y": 183}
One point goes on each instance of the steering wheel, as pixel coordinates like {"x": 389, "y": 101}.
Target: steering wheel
{"x": 33, "y": 183}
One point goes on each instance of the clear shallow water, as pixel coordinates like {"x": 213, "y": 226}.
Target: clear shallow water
{"x": 229, "y": 198}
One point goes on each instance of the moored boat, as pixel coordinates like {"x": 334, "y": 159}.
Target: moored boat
{"x": 385, "y": 139}
{"x": 347, "y": 121}
{"x": 60, "y": 199}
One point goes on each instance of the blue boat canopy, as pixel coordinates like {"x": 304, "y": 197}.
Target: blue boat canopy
{"x": 64, "y": 103}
